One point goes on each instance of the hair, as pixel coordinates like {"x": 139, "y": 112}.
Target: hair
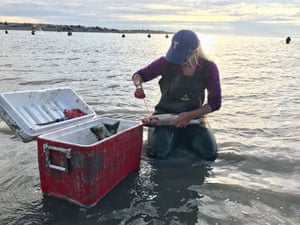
{"x": 198, "y": 53}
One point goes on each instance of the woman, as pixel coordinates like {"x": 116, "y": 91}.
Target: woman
{"x": 185, "y": 76}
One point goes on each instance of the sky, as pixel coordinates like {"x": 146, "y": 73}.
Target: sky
{"x": 250, "y": 17}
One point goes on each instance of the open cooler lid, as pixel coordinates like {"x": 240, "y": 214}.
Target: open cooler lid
{"x": 35, "y": 112}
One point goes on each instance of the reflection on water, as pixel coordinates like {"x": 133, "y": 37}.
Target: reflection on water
{"x": 144, "y": 196}
{"x": 255, "y": 179}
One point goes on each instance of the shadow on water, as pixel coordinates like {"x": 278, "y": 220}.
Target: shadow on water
{"x": 157, "y": 193}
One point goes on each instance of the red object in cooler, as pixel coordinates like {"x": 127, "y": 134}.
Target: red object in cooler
{"x": 83, "y": 174}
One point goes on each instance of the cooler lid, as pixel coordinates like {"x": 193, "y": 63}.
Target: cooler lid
{"x": 34, "y": 112}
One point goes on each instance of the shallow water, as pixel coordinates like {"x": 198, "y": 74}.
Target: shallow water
{"x": 255, "y": 180}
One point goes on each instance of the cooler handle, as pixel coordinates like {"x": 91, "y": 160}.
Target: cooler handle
{"x": 68, "y": 154}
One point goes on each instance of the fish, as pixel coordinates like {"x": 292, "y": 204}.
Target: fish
{"x": 103, "y": 130}
{"x": 164, "y": 120}
{"x": 112, "y": 128}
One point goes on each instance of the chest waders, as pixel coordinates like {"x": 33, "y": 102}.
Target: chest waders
{"x": 181, "y": 93}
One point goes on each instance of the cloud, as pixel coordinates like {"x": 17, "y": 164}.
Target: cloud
{"x": 168, "y": 14}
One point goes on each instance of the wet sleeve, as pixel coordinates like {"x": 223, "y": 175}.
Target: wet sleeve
{"x": 214, "y": 97}
{"x": 154, "y": 69}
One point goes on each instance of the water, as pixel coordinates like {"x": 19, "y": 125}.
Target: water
{"x": 256, "y": 178}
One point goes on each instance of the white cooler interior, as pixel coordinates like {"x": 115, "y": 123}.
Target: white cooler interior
{"x": 28, "y": 112}
{"x": 82, "y": 135}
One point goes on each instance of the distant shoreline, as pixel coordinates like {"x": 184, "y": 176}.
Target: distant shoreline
{"x": 72, "y": 28}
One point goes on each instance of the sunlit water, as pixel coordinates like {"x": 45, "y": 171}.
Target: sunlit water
{"x": 256, "y": 178}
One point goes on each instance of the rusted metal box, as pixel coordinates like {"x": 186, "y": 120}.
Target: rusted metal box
{"x": 74, "y": 165}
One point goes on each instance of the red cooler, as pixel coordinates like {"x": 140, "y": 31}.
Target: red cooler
{"x": 77, "y": 160}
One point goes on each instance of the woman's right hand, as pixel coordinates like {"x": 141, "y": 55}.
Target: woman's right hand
{"x": 139, "y": 93}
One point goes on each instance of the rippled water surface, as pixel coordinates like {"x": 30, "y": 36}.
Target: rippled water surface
{"x": 256, "y": 178}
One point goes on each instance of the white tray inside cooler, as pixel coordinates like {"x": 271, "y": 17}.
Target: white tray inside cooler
{"x": 28, "y": 112}
{"x": 82, "y": 135}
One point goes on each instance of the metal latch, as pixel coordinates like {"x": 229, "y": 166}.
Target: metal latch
{"x": 68, "y": 155}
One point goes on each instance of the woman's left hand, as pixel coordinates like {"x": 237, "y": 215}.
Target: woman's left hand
{"x": 182, "y": 120}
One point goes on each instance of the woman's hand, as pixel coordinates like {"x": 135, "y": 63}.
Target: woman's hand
{"x": 182, "y": 120}
{"x": 146, "y": 120}
{"x": 139, "y": 91}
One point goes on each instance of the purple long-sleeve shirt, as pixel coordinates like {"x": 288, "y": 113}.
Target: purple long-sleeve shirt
{"x": 159, "y": 67}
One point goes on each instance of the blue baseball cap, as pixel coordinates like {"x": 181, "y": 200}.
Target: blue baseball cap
{"x": 184, "y": 42}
